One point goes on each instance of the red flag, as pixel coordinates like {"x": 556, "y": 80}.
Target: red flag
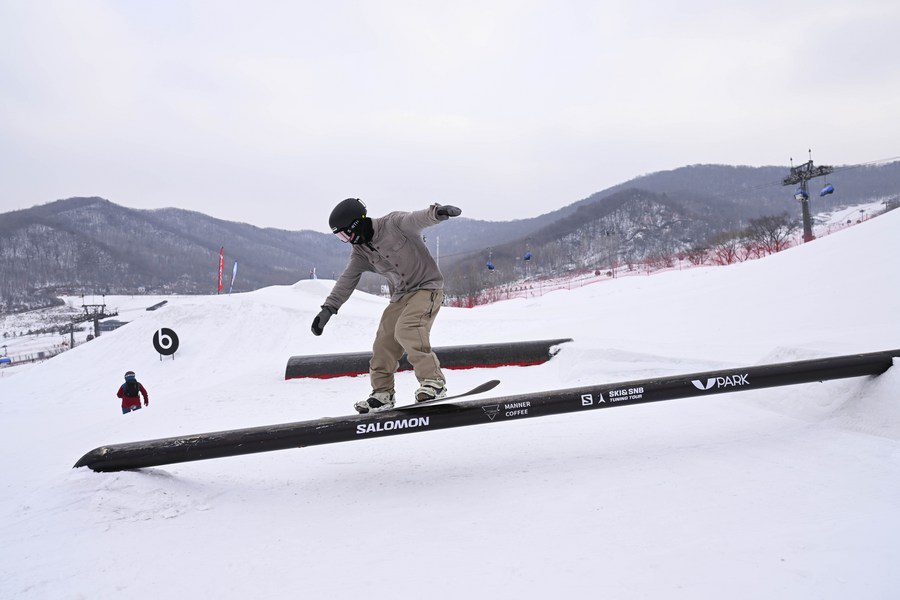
{"x": 221, "y": 267}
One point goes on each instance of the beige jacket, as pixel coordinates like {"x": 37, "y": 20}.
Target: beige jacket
{"x": 397, "y": 252}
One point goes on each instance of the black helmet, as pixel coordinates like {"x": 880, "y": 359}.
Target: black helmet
{"x": 129, "y": 375}
{"x": 345, "y": 214}
{"x": 348, "y": 221}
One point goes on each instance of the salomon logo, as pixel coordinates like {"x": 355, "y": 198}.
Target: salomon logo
{"x": 704, "y": 386}
{"x": 721, "y": 382}
{"x": 392, "y": 425}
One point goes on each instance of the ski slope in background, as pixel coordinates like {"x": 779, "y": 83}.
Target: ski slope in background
{"x": 849, "y": 214}
{"x": 788, "y": 492}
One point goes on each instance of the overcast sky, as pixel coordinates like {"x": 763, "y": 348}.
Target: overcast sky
{"x": 270, "y": 113}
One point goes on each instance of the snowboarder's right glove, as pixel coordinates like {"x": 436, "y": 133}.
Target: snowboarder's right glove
{"x": 445, "y": 212}
{"x": 318, "y": 324}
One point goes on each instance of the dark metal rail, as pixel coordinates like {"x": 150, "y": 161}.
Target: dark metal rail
{"x": 325, "y": 366}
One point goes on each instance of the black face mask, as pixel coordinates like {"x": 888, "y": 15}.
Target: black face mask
{"x": 363, "y": 232}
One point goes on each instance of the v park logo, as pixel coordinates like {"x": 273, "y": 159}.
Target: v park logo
{"x": 721, "y": 382}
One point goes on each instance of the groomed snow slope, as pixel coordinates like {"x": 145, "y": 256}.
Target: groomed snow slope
{"x": 789, "y": 492}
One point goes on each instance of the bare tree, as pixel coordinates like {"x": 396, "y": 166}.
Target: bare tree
{"x": 697, "y": 254}
{"x": 771, "y": 233}
{"x": 725, "y": 248}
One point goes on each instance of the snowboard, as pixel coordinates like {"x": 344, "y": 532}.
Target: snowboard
{"x": 484, "y": 387}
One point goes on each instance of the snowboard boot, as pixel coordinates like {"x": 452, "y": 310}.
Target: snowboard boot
{"x": 431, "y": 389}
{"x": 376, "y": 402}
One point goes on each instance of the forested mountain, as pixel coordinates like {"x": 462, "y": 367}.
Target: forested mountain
{"x": 740, "y": 192}
{"x": 626, "y": 227}
{"x": 92, "y": 245}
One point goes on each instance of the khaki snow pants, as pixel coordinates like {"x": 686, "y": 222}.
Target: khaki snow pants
{"x": 406, "y": 326}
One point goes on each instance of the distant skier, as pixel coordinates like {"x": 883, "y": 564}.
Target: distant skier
{"x": 392, "y": 246}
{"x": 130, "y": 392}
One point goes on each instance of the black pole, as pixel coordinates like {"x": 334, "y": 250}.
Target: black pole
{"x": 510, "y": 408}
{"x": 805, "y": 212}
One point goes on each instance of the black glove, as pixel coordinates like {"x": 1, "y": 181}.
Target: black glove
{"x": 445, "y": 212}
{"x": 318, "y": 324}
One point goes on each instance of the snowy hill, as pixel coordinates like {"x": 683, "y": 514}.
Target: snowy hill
{"x": 787, "y": 492}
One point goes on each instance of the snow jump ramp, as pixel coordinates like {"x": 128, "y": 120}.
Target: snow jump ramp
{"x": 219, "y": 444}
{"x": 325, "y": 366}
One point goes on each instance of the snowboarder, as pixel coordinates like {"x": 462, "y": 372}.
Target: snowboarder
{"x": 130, "y": 393}
{"x": 392, "y": 246}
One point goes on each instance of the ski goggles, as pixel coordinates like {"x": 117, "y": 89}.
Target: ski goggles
{"x": 347, "y": 234}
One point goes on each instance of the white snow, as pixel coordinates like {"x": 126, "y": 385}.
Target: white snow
{"x": 786, "y": 492}
{"x": 830, "y": 221}
{"x": 25, "y": 346}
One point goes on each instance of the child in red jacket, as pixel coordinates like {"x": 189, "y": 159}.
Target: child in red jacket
{"x": 130, "y": 392}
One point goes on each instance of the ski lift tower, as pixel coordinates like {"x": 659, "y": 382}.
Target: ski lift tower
{"x": 93, "y": 312}
{"x": 801, "y": 175}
